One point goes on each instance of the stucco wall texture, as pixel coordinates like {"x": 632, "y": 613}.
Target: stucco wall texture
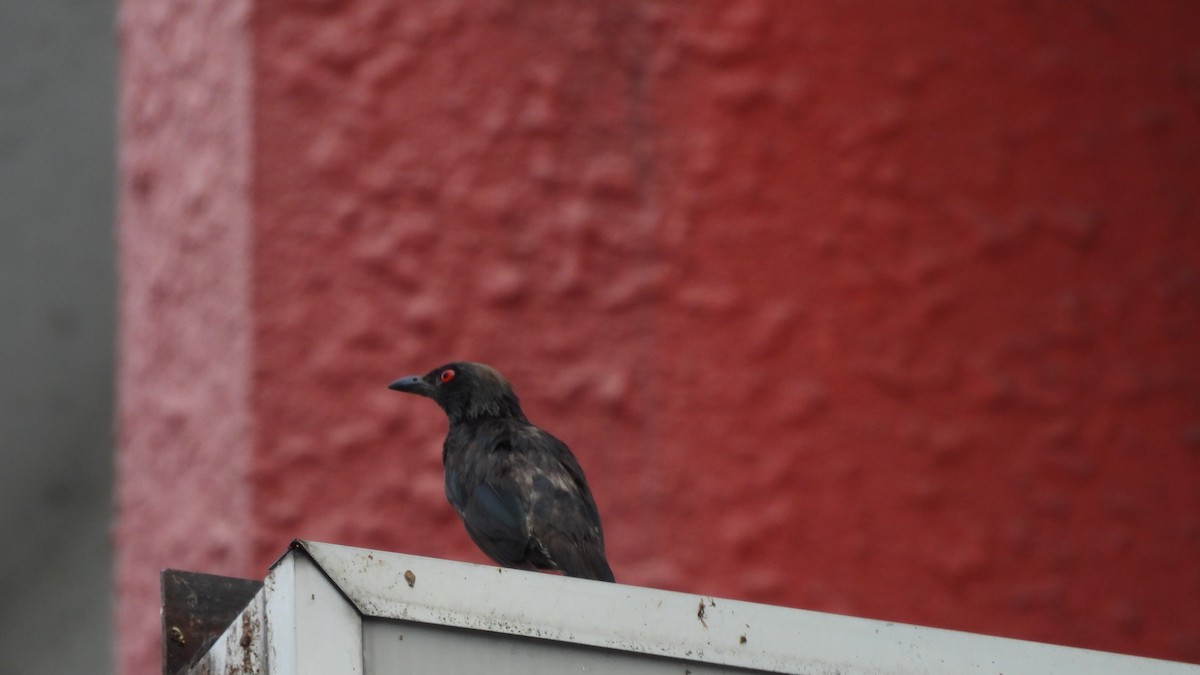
{"x": 888, "y": 309}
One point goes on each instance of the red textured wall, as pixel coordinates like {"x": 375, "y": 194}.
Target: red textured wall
{"x": 883, "y": 309}
{"x": 186, "y": 364}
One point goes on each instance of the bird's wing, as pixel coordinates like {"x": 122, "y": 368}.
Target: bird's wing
{"x": 563, "y": 517}
{"x": 562, "y": 454}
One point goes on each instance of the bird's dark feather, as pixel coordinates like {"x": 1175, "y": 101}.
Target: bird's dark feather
{"x": 523, "y": 498}
{"x": 495, "y": 520}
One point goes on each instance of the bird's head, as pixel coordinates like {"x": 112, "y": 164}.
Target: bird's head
{"x": 465, "y": 391}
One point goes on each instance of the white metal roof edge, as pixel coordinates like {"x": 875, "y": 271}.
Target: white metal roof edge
{"x": 669, "y": 624}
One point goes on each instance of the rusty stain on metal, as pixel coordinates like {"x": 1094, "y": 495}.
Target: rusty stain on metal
{"x": 247, "y": 640}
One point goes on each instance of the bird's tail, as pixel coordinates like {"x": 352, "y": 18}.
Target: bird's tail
{"x": 587, "y": 565}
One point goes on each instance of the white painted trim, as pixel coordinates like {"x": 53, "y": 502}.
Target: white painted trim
{"x": 311, "y": 628}
{"x": 316, "y": 598}
{"x": 664, "y": 623}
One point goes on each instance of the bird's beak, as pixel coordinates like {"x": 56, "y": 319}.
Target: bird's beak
{"x": 413, "y": 384}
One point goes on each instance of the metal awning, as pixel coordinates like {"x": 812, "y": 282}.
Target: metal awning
{"x": 336, "y": 609}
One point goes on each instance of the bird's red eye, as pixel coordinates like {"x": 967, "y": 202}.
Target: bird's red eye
{"x": 446, "y": 376}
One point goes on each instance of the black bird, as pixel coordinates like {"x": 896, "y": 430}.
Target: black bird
{"x": 518, "y": 490}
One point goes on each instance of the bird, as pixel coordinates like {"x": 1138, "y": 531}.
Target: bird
{"x": 519, "y": 491}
